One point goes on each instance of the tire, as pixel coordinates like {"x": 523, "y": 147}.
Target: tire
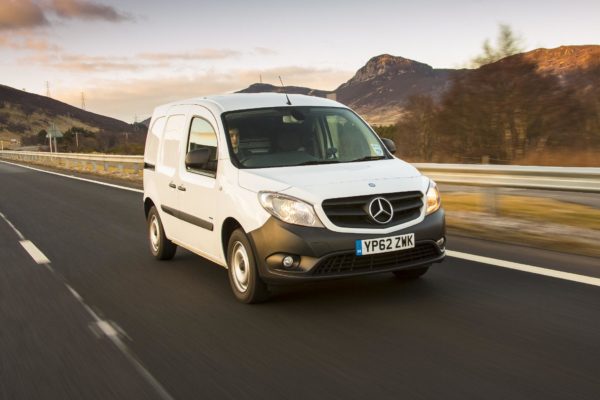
{"x": 243, "y": 274}
{"x": 160, "y": 247}
{"x": 412, "y": 273}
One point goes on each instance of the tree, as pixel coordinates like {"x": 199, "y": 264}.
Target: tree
{"x": 417, "y": 127}
{"x": 507, "y": 110}
{"x": 507, "y": 44}
{"x": 41, "y": 137}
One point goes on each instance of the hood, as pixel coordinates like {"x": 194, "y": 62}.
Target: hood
{"x": 317, "y": 182}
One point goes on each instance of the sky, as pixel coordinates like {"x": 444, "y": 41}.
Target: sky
{"x": 128, "y": 56}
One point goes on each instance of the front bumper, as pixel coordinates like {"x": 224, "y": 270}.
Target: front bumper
{"x": 320, "y": 253}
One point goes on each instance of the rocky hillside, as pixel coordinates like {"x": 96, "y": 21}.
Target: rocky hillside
{"x": 379, "y": 90}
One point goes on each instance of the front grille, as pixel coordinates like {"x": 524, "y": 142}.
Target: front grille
{"x": 351, "y": 212}
{"x": 351, "y": 263}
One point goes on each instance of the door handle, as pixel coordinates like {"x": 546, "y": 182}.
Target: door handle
{"x": 181, "y": 187}
{"x": 172, "y": 185}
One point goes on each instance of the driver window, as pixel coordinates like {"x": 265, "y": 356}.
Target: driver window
{"x": 202, "y": 135}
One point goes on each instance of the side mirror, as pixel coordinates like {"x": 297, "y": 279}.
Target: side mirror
{"x": 389, "y": 144}
{"x": 197, "y": 159}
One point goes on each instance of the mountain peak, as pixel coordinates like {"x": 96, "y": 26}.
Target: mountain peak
{"x": 386, "y": 66}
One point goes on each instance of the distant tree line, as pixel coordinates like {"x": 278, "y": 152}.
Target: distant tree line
{"x": 78, "y": 139}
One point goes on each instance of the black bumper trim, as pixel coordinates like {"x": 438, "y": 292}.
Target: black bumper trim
{"x": 275, "y": 239}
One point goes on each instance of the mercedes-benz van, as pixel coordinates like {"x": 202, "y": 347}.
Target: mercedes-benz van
{"x": 280, "y": 188}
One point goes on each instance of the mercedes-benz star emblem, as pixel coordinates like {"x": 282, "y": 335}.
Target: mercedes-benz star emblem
{"x": 381, "y": 210}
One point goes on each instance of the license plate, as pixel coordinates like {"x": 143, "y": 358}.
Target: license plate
{"x": 385, "y": 245}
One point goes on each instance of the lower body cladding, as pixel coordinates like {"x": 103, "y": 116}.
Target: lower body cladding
{"x": 288, "y": 253}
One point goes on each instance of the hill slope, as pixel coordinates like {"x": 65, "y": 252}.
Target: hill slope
{"x": 23, "y": 113}
{"x": 379, "y": 90}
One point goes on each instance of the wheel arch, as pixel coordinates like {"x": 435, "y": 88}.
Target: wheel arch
{"x": 229, "y": 225}
{"x": 148, "y": 204}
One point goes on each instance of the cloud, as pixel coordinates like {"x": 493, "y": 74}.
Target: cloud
{"x": 203, "y": 54}
{"x": 84, "y": 63}
{"x": 82, "y": 9}
{"x": 138, "y": 97}
{"x": 18, "y": 14}
{"x": 30, "y": 14}
{"x": 28, "y": 42}
{"x": 265, "y": 51}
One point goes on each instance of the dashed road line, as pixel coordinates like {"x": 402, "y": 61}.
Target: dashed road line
{"x": 34, "y": 252}
{"x": 567, "y": 276}
{"x": 109, "y": 329}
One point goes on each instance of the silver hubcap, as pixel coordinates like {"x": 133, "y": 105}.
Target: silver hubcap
{"x": 240, "y": 266}
{"x": 154, "y": 233}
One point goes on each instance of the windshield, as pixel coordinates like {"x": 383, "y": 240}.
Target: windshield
{"x": 290, "y": 136}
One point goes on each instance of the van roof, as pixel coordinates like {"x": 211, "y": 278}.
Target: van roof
{"x": 244, "y": 101}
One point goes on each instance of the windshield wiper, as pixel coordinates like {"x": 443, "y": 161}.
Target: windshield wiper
{"x": 369, "y": 158}
{"x": 315, "y": 162}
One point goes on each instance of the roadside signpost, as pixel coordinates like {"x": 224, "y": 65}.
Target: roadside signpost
{"x": 53, "y": 133}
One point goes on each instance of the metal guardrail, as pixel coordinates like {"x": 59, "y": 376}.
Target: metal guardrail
{"x": 93, "y": 162}
{"x": 509, "y": 176}
{"x": 571, "y": 179}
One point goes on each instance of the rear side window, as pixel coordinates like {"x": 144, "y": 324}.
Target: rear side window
{"x": 172, "y": 139}
{"x": 153, "y": 139}
{"x": 202, "y": 135}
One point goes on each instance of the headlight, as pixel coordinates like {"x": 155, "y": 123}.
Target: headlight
{"x": 434, "y": 201}
{"x": 289, "y": 209}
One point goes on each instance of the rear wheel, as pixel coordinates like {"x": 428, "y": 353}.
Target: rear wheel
{"x": 243, "y": 273}
{"x": 413, "y": 273}
{"x": 160, "y": 247}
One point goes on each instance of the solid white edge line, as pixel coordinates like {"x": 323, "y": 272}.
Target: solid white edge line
{"x": 74, "y": 177}
{"x": 568, "y": 276}
{"x": 456, "y": 254}
{"x": 34, "y": 252}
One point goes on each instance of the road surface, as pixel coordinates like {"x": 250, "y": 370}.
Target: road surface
{"x": 102, "y": 319}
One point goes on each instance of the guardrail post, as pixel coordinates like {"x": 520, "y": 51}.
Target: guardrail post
{"x": 490, "y": 199}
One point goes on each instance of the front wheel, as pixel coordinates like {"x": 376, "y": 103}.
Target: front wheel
{"x": 160, "y": 247}
{"x": 412, "y": 273}
{"x": 243, "y": 274}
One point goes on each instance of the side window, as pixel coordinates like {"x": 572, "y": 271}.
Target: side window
{"x": 203, "y": 136}
{"x": 172, "y": 137}
{"x": 152, "y": 140}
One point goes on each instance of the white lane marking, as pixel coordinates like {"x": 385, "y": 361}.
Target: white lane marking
{"x": 107, "y": 328}
{"x": 74, "y": 293}
{"x": 34, "y": 252}
{"x": 114, "y": 333}
{"x": 588, "y": 280}
{"x": 19, "y": 234}
{"x": 75, "y": 177}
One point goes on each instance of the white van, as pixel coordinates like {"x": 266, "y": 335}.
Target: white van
{"x": 283, "y": 188}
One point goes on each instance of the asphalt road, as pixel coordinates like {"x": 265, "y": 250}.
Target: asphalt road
{"x": 466, "y": 330}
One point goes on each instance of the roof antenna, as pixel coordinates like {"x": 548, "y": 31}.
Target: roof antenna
{"x": 289, "y": 103}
